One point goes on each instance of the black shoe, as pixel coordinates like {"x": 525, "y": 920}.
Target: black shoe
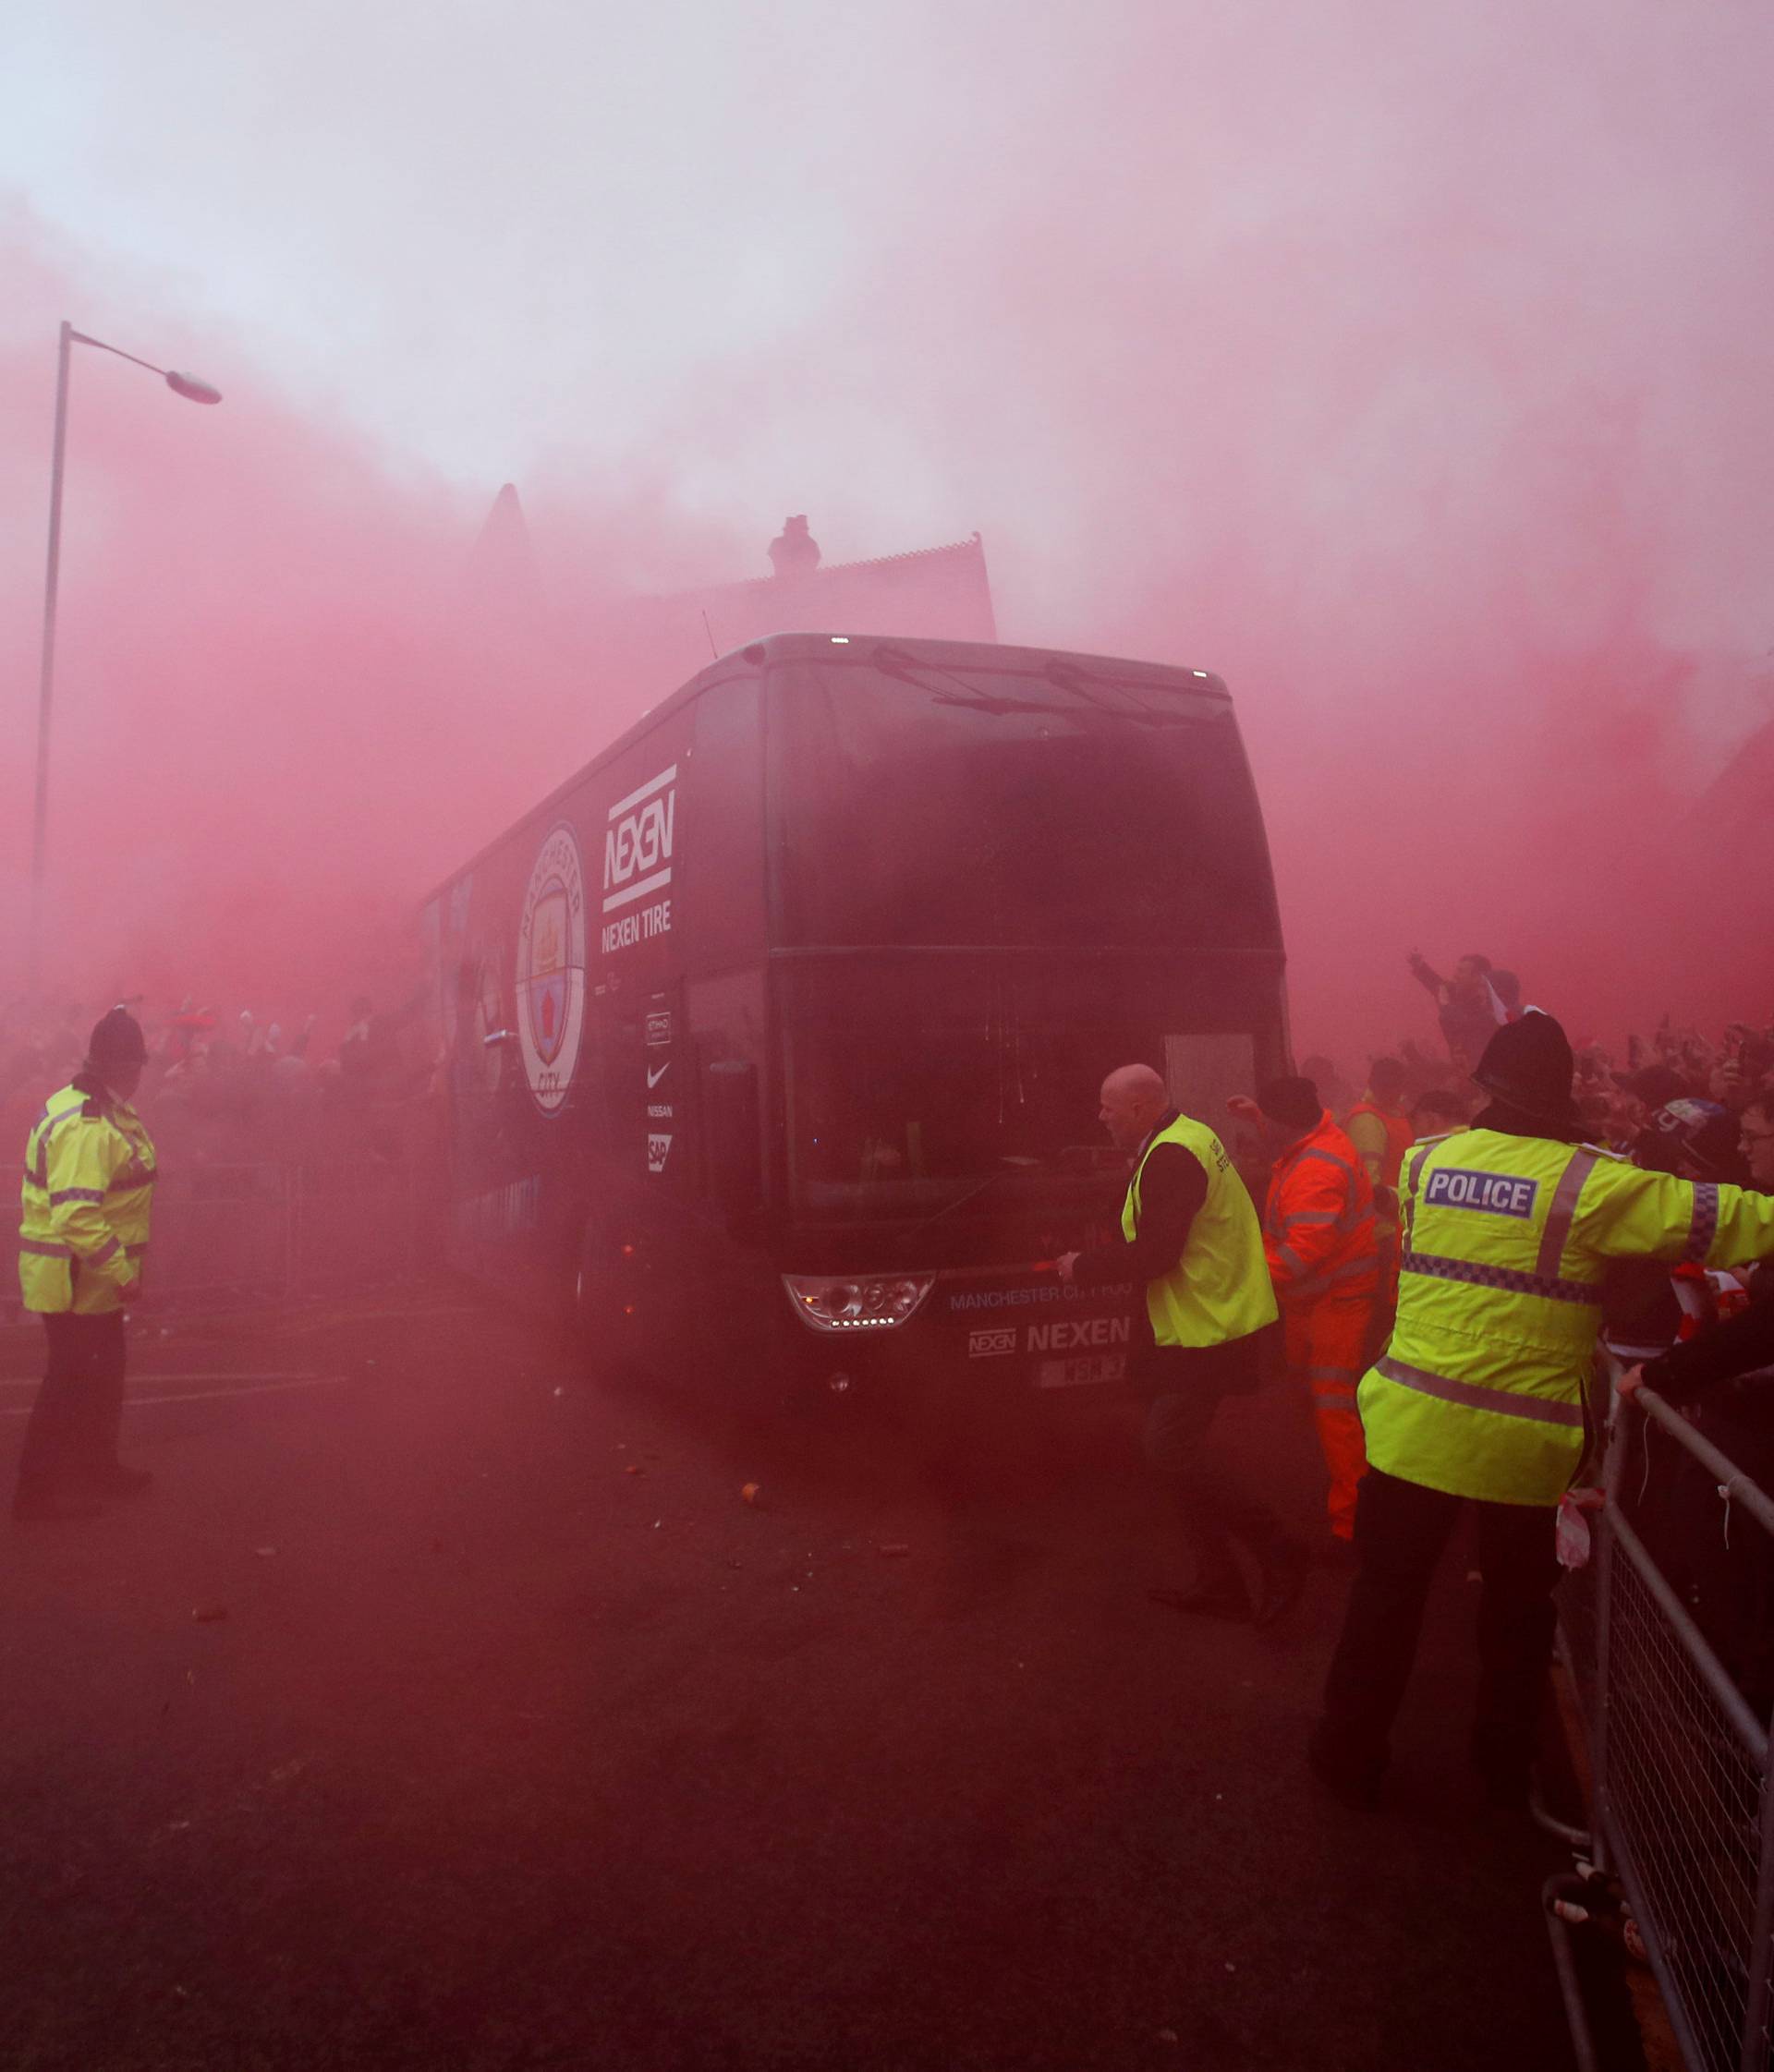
{"x": 116, "y": 1481}
{"x": 1227, "y": 1602}
{"x": 53, "y": 1507}
{"x": 1354, "y": 1784}
{"x": 1278, "y": 1590}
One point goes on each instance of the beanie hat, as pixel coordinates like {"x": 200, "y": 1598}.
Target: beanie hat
{"x": 116, "y": 1040}
{"x": 1529, "y": 1066}
{"x": 1656, "y": 1085}
{"x": 1292, "y": 1102}
{"x": 1707, "y": 1134}
{"x": 1386, "y": 1076}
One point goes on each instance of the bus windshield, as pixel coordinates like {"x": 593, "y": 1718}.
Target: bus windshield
{"x": 984, "y": 1088}
{"x": 915, "y": 805}
{"x": 890, "y": 1123}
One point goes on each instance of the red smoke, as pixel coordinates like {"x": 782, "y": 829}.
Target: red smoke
{"x": 1404, "y": 366}
{"x": 288, "y": 695}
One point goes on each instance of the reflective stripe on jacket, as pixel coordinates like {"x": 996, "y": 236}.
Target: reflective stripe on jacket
{"x": 1505, "y": 1243}
{"x": 1319, "y": 1230}
{"x": 89, "y": 1175}
{"x": 1219, "y": 1289}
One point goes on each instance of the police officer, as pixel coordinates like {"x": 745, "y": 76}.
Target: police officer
{"x": 1190, "y": 1233}
{"x": 1506, "y": 1231}
{"x": 90, "y": 1173}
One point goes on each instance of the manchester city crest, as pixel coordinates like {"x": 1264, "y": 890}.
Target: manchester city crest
{"x": 550, "y": 970}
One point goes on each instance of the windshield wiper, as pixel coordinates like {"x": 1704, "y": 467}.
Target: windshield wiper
{"x": 983, "y": 701}
{"x": 961, "y": 1201}
{"x": 893, "y": 661}
{"x": 1040, "y": 1170}
{"x": 1069, "y": 677}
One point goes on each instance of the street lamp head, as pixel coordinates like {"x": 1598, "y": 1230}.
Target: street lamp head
{"x": 191, "y": 389}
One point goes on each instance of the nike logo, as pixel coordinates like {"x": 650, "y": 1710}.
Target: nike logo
{"x": 654, "y": 1077}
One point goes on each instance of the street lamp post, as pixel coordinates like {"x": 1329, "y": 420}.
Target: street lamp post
{"x": 193, "y": 391}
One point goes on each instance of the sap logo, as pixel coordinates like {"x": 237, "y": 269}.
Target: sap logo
{"x": 984, "y": 1345}
{"x": 637, "y": 843}
{"x": 658, "y": 1148}
{"x": 1498, "y": 1193}
{"x": 1080, "y": 1334}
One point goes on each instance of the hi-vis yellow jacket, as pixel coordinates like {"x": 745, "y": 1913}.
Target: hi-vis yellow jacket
{"x": 1505, "y": 1242}
{"x": 1219, "y": 1289}
{"x": 90, "y": 1173}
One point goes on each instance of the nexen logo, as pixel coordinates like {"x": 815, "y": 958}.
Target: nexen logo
{"x": 1069, "y": 1336}
{"x": 638, "y": 845}
{"x": 1498, "y": 1193}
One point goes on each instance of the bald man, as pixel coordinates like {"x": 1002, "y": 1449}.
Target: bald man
{"x": 1190, "y": 1233}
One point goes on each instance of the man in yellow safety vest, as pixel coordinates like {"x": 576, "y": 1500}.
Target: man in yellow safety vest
{"x": 1189, "y": 1232}
{"x": 89, "y": 1174}
{"x": 1506, "y": 1231}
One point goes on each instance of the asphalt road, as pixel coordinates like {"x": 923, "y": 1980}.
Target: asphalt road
{"x": 439, "y": 1710}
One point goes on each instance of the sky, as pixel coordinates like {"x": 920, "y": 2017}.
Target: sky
{"x": 1405, "y": 366}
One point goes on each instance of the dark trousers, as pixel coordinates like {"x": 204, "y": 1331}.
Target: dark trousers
{"x": 1185, "y": 1387}
{"x": 1400, "y": 1530}
{"x": 73, "y": 1428}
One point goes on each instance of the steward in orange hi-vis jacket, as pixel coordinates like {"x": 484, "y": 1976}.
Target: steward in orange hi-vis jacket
{"x": 1321, "y": 1241}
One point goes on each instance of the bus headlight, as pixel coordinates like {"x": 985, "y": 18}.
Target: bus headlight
{"x": 874, "y": 1303}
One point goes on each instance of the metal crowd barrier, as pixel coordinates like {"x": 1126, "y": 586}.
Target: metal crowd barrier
{"x": 265, "y": 1230}
{"x": 1656, "y": 1636}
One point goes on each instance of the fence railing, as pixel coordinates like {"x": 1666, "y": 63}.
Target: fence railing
{"x": 268, "y": 1230}
{"x": 1666, "y": 1637}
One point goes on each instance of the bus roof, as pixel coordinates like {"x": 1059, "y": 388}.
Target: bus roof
{"x": 970, "y": 654}
{"x": 852, "y": 650}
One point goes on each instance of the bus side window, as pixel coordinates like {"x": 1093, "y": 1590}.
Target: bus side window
{"x": 616, "y": 1070}
{"x": 731, "y": 1133}
{"x": 726, "y": 1017}
{"x": 723, "y": 902}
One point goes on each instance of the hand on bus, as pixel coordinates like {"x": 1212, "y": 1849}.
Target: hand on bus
{"x": 1244, "y": 1109}
{"x": 1064, "y": 1264}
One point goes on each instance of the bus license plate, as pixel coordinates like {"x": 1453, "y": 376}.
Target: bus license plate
{"x": 1089, "y": 1372}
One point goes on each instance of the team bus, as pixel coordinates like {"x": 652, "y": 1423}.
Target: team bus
{"x": 775, "y": 1033}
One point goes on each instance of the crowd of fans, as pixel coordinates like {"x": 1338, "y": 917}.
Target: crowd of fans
{"x": 1625, "y": 1094}
{"x": 235, "y": 1086}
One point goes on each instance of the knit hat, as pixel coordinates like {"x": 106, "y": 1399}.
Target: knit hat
{"x": 1292, "y": 1102}
{"x": 1656, "y": 1085}
{"x": 1528, "y": 1065}
{"x": 116, "y": 1040}
{"x": 1707, "y": 1134}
